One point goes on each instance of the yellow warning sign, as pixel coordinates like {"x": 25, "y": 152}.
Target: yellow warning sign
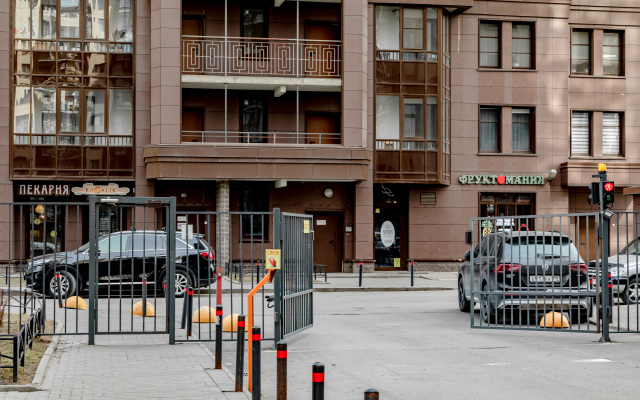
{"x": 305, "y": 226}
{"x": 273, "y": 258}
{"x": 396, "y": 263}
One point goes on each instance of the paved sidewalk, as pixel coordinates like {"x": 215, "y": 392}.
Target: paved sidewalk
{"x": 131, "y": 367}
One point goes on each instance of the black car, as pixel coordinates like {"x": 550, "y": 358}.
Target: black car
{"x": 125, "y": 258}
{"x": 507, "y": 266}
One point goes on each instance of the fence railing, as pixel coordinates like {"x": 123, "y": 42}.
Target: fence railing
{"x": 217, "y": 55}
{"x": 261, "y": 137}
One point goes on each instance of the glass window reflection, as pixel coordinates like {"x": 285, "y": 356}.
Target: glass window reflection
{"x": 120, "y": 112}
{"x": 43, "y": 108}
{"x": 70, "y": 110}
{"x": 95, "y": 111}
{"x": 120, "y": 21}
{"x": 44, "y": 19}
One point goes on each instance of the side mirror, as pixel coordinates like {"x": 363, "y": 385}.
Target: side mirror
{"x": 467, "y": 255}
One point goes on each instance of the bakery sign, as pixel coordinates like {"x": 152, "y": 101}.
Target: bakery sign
{"x": 111, "y": 189}
{"x": 501, "y": 179}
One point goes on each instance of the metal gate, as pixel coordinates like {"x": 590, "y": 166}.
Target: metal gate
{"x": 132, "y": 272}
{"x": 531, "y": 272}
{"x": 294, "y": 283}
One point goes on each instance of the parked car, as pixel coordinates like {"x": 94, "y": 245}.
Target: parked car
{"x": 125, "y": 258}
{"x": 525, "y": 261}
{"x": 625, "y": 279}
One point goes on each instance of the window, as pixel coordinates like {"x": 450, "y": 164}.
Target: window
{"x": 611, "y": 133}
{"x": 413, "y": 111}
{"x": 254, "y": 200}
{"x": 489, "y": 45}
{"x": 522, "y": 49}
{"x": 489, "y": 129}
{"x": 253, "y": 121}
{"x": 254, "y": 25}
{"x": 580, "y": 133}
{"x": 612, "y": 53}
{"x": 581, "y": 52}
{"x": 113, "y": 243}
{"x": 521, "y": 130}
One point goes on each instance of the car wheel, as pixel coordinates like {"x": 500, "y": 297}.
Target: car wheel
{"x": 68, "y": 284}
{"x": 463, "y": 303}
{"x": 631, "y": 294}
{"x": 182, "y": 282}
{"x": 486, "y": 308}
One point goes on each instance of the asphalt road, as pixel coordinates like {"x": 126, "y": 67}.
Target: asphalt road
{"x": 417, "y": 345}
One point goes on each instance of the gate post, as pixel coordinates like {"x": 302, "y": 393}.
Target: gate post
{"x": 277, "y": 284}
{"x": 171, "y": 266}
{"x": 93, "y": 259}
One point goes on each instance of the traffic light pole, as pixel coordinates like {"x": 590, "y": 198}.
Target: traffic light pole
{"x": 604, "y": 278}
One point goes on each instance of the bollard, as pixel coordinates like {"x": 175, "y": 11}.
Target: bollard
{"x": 144, "y": 298}
{"x": 360, "y": 275}
{"x": 59, "y": 289}
{"x": 281, "y": 354}
{"x": 257, "y": 272}
{"x": 219, "y": 336}
{"x": 317, "y": 390}
{"x": 255, "y": 347}
{"x": 371, "y": 394}
{"x": 240, "y": 354}
{"x": 189, "y": 299}
{"x": 185, "y": 309}
{"x": 411, "y": 273}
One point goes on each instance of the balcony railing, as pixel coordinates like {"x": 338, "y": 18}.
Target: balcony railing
{"x": 217, "y": 55}
{"x": 261, "y": 137}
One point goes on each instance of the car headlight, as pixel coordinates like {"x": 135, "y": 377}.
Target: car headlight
{"x": 34, "y": 266}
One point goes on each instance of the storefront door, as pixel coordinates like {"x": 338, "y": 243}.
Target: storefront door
{"x": 390, "y": 227}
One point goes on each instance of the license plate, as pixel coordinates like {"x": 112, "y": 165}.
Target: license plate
{"x": 544, "y": 278}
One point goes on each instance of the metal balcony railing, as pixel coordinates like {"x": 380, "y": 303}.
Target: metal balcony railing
{"x": 261, "y": 137}
{"x": 217, "y": 55}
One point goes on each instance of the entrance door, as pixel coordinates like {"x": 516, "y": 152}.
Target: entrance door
{"x": 323, "y": 128}
{"x": 193, "y": 55}
{"x": 192, "y": 124}
{"x": 327, "y": 240}
{"x": 323, "y": 58}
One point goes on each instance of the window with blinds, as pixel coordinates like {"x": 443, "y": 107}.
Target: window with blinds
{"x": 611, "y": 133}
{"x": 580, "y": 128}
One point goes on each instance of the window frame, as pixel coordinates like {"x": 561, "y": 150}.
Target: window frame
{"x": 265, "y": 116}
{"x": 498, "y": 125}
{"x": 499, "y": 40}
{"x": 589, "y": 33}
{"x": 532, "y": 130}
{"x": 589, "y": 134}
{"x": 532, "y": 47}
{"x": 621, "y": 52}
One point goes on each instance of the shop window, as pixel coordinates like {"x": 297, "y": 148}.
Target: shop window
{"x": 490, "y": 44}
{"x": 510, "y": 206}
{"x": 489, "y": 129}
{"x": 581, "y": 52}
{"x": 612, "y": 53}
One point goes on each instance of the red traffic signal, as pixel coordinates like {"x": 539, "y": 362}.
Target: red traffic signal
{"x": 608, "y": 186}
{"x": 608, "y": 196}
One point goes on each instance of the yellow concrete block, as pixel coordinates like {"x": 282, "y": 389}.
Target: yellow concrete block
{"x": 137, "y": 310}
{"x": 76, "y": 302}
{"x": 554, "y": 319}
{"x": 230, "y": 323}
{"x": 205, "y": 315}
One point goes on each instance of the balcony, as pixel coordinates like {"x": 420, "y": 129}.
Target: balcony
{"x": 277, "y": 138}
{"x": 264, "y": 57}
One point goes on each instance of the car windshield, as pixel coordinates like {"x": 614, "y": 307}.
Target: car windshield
{"x": 540, "y": 246}
{"x": 632, "y": 249}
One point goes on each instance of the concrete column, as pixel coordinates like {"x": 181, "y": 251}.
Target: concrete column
{"x": 354, "y": 82}
{"x": 223, "y": 222}
{"x": 166, "y": 75}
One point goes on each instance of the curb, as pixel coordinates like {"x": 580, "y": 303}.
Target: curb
{"x": 245, "y": 390}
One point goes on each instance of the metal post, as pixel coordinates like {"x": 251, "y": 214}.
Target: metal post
{"x": 255, "y": 365}
{"x": 281, "y": 354}
{"x": 189, "y": 299}
{"x": 185, "y": 309}
{"x": 277, "y": 281}
{"x": 171, "y": 266}
{"x": 371, "y": 394}
{"x": 59, "y": 290}
{"x": 144, "y": 297}
{"x": 93, "y": 262}
{"x": 219, "y": 336}
{"x": 317, "y": 389}
{"x": 360, "y": 275}
{"x": 604, "y": 226}
{"x": 411, "y": 273}
{"x": 240, "y": 353}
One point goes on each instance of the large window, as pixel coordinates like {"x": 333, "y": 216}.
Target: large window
{"x": 581, "y": 52}
{"x": 580, "y": 133}
{"x": 606, "y": 142}
{"x": 522, "y": 45}
{"x": 521, "y": 130}
{"x": 490, "y": 44}
{"x": 73, "y": 88}
{"x": 489, "y": 129}
{"x": 611, "y": 122}
{"x": 612, "y": 53}
{"x": 412, "y": 83}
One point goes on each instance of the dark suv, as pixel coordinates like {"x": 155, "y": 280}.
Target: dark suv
{"x": 125, "y": 258}
{"x": 529, "y": 271}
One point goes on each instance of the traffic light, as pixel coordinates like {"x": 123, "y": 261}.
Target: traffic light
{"x": 608, "y": 197}
{"x": 594, "y": 197}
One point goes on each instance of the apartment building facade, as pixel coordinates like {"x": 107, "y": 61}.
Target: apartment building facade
{"x": 392, "y": 123}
